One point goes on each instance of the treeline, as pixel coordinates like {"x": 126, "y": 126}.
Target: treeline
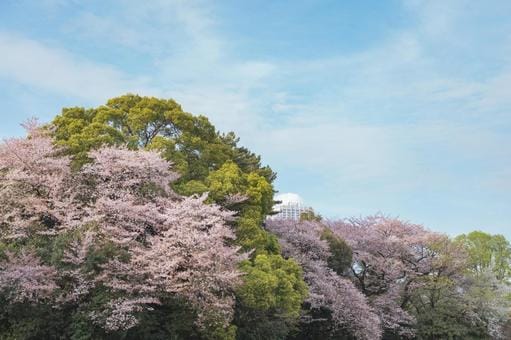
{"x": 380, "y": 277}
{"x": 138, "y": 220}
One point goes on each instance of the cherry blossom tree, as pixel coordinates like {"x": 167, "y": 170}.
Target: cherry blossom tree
{"x": 34, "y": 186}
{"x": 389, "y": 255}
{"x": 161, "y": 244}
{"x": 24, "y": 278}
{"x": 396, "y": 269}
{"x": 348, "y": 307}
{"x": 417, "y": 280}
{"x": 111, "y": 242}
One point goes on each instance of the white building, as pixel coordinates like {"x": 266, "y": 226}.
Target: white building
{"x": 291, "y": 207}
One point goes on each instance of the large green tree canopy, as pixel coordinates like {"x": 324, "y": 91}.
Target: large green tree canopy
{"x": 488, "y": 253}
{"x": 191, "y": 142}
{"x": 207, "y": 161}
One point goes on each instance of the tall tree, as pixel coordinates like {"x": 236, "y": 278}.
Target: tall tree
{"x": 488, "y": 253}
{"x": 206, "y": 161}
{"x": 190, "y": 142}
{"x": 110, "y": 241}
{"x": 332, "y": 298}
{"x": 417, "y": 282}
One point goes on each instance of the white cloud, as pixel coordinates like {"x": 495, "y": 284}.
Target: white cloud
{"x": 369, "y": 116}
{"x": 344, "y": 148}
{"x": 52, "y": 69}
{"x": 424, "y": 110}
{"x": 91, "y": 26}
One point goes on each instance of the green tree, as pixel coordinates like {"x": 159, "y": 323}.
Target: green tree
{"x": 207, "y": 161}
{"x": 310, "y": 215}
{"x": 451, "y": 301}
{"x": 488, "y": 252}
{"x": 255, "y": 203}
{"x": 342, "y": 255}
{"x": 191, "y": 142}
{"x": 271, "y": 298}
{"x": 273, "y": 283}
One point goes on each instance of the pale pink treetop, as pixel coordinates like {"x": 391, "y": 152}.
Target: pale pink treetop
{"x": 350, "y": 309}
{"x": 34, "y": 184}
{"x": 390, "y": 257}
{"x": 25, "y": 279}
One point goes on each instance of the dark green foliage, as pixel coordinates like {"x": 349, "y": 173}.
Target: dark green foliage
{"x": 342, "y": 256}
{"x": 319, "y": 325}
{"x": 42, "y": 321}
{"x": 174, "y": 319}
{"x": 21, "y": 321}
{"x": 256, "y": 324}
{"x": 447, "y": 320}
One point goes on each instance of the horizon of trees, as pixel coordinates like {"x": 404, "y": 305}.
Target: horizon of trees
{"x": 137, "y": 220}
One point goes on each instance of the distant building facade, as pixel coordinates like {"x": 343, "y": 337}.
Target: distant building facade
{"x": 290, "y": 208}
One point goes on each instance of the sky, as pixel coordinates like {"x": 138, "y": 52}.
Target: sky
{"x": 398, "y": 107}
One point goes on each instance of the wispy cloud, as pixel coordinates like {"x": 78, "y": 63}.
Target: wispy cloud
{"x": 55, "y": 70}
{"x": 425, "y": 110}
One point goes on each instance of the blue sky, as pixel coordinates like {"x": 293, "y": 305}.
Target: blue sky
{"x": 402, "y": 107}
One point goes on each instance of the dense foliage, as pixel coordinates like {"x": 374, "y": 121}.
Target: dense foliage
{"x": 109, "y": 241}
{"x": 206, "y": 161}
{"x": 331, "y": 295}
{"x": 397, "y": 280}
{"x": 137, "y": 220}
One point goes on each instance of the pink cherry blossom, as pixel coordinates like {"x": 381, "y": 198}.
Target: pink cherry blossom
{"x": 173, "y": 245}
